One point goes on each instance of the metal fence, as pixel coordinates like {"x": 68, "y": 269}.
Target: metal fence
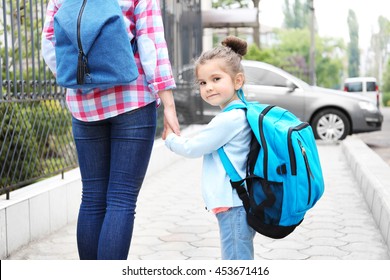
{"x": 35, "y": 125}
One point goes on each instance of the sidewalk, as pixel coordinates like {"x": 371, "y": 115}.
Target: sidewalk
{"x": 172, "y": 223}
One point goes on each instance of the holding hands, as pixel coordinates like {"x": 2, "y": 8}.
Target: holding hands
{"x": 171, "y": 124}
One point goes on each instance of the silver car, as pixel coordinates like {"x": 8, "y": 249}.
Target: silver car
{"x": 332, "y": 114}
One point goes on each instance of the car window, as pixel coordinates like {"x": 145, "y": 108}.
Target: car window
{"x": 354, "y": 87}
{"x": 258, "y": 76}
{"x": 371, "y": 86}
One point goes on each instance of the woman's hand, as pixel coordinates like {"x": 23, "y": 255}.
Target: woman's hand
{"x": 171, "y": 123}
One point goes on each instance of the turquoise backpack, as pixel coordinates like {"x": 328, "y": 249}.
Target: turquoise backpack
{"x": 284, "y": 177}
{"x": 93, "y": 49}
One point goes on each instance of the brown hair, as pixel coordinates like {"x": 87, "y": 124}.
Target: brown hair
{"x": 231, "y": 51}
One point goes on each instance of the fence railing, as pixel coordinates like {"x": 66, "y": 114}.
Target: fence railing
{"x": 35, "y": 125}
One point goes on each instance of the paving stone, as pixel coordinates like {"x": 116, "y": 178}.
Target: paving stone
{"x": 153, "y": 232}
{"x": 180, "y": 237}
{"x": 138, "y": 250}
{"x": 284, "y": 254}
{"x": 324, "y": 233}
{"x": 174, "y": 246}
{"x": 291, "y": 244}
{"x": 356, "y": 237}
{"x": 366, "y": 256}
{"x": 165, "y": 255}
{"x": 148, "y": 240}
{"x": 331, "y": 251}
{"x": 364, "y": 247}
{"x": 211, "y": 252}
{"x": 209, "y": 242}
{"x": 189, "y": 229}
{"x": 327, "y": 241}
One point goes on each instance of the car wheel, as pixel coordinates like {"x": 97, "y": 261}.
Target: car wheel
{"x": 331, "y": 125}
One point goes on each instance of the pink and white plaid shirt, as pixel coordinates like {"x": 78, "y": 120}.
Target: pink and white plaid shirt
{"x": 143, "y": 21}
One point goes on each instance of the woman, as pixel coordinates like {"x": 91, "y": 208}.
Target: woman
{"x": 114, "y": 131}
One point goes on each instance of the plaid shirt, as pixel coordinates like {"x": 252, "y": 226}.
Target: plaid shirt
{"x": 143, "y": 21}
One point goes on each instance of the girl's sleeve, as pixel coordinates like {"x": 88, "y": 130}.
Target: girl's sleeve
{"x": 47, "y": 39}
{"x": 152, "y": 46}
{"x": 217, "y": 133}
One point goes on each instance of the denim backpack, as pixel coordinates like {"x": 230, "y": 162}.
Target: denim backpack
{"x": 93, "y": 49}
{"x": 284, "y": 177}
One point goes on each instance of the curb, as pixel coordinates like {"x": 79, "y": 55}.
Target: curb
{"x": 373, "y": 177}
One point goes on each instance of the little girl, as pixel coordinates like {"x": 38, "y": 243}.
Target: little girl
{"x": 220, "y": 75}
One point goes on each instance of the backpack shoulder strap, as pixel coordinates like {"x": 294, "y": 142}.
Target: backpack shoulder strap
{"x": 227, "y": 164}
{"x": 235, "y": 179}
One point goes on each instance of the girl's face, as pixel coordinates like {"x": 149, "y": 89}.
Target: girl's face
{"x": 217, "y": 87}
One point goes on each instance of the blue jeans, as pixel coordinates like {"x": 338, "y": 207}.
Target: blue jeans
{"x": 236, "y": 235}
{"x": 113, "y": 157}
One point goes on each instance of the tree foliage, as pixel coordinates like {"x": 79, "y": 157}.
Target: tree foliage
{"x": 379, "y": 46}
{"x": 297, "y": 14}
{"x": 292, "y": 54}
{"x": 353, "y": 46}
{"x": 386, "y": 85}
{"x": 386, "y": 78}
{"x": 291, "y": 47}
{"x": 229, "y": 4}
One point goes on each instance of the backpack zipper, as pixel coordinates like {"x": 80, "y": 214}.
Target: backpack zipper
{"x": 82, "y": 68}
{"x": 308, "y": 170}
{"x": 263, "y": 142}
{"x": 290, "y": 146}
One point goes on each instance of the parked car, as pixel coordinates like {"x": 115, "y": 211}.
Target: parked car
{"x": 363, "y": 85}
{"x": 332, "y": 114}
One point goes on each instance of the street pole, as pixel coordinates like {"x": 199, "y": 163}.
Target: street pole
{"x": 256, "y": 29}
{"x": 312, "y": 45}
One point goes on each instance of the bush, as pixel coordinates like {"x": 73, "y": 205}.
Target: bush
{"x": 19, "y": 146}
{"x": 35, "y": 141}
{"x": 386, "y": 99}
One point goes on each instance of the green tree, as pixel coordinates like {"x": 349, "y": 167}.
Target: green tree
{"x": 294, "y": 52}
{"x": 20, "y": 67}
{"x": 353, "y": 46}
{"x": 266, "y": 55}
{"x": 329, "y": 65}
{"x": 296, "y": 15}
{"x": 379, "y": 45}
{"x": 386, "y": 85}
{"x": 291, "y": 53}
{"x": 229, "y": 4}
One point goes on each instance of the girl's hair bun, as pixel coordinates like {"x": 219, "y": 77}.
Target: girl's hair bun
{"x": 237, "y": 45}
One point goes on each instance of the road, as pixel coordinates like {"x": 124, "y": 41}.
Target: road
{"x": 379, "y": 141}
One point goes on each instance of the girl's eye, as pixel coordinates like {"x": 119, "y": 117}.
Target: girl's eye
{"x": 201, "y": 83}
{"x": 216, "y": 79}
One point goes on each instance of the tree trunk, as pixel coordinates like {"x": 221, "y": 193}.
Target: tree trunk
{"x": 256, "y": 29}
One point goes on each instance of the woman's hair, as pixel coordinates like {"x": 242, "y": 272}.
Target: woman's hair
{"x": 231, "y": 51}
